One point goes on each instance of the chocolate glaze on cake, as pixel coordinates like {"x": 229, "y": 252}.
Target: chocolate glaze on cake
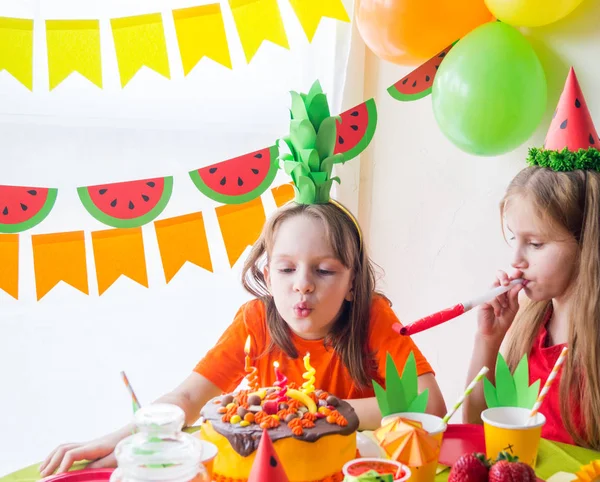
{"x": 245, "y": 440}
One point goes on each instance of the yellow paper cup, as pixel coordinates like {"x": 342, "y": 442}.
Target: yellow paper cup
{"x": 436, "y": 428}
{"x": 506, "y": 430}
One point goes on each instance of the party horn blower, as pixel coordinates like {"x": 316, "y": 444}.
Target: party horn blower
{"x": 553, "y": 374}
{"x": 136, "y": 403}
{"x": 450, "y": 313}
{"x": 468, "y": 391}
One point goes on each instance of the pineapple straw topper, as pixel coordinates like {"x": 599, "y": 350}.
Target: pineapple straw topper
{"x": 512, "y": 389}
{"x": 311, "y": 143}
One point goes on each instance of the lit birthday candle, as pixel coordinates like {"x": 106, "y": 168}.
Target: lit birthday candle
{"x": 309, "y": 375}
{"x": 280, "y": 383}
{"x": 252, "y": 376}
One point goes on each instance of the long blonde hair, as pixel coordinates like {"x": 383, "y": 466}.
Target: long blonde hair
{"x": 349, "y": 335}
{"x": 571, "y": 201}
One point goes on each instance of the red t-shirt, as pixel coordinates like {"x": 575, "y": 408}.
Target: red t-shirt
{"x": 223, "y": 365}
{"x": 541, "y": 361}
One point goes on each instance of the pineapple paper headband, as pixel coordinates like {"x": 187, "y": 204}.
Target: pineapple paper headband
{"x": 311, "y": 145}
{"x": 572, "y": 141}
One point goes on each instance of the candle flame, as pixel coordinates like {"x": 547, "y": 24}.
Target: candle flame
{"x": 247, "y": 346}
{"x": 276, "y": 364}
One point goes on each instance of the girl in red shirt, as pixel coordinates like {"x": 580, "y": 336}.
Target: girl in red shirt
{"x": 551, "y": 215}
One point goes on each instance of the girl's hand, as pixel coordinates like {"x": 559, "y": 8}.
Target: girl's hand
{"x": 100, "y": 451}
{"x": 495, "y": 318}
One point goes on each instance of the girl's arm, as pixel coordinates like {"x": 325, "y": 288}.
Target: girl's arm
{"x": 369, "y": 415}
{"x": 191, "y": 396}
{"x": 494, "y": 320}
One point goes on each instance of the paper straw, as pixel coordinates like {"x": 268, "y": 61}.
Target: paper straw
{"x": 136, "y": 403}
{"x": 468, "y": 391}
{"x": 553, "y": 374}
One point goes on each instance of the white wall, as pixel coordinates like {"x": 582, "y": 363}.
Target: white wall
{"x": 430, "y": 211}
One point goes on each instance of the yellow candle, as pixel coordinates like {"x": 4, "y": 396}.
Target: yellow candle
{"x": 309, "y": 375}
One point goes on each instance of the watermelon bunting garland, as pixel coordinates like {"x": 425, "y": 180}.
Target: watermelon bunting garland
{"x": 22, "y": 208}
{"x": 128, "y": 204}
{"x": 419, "y": 82}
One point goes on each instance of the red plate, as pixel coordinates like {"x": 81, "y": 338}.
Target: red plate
{"x": 459, "y": 440}
{"x": 86, "y": 475}
{"x": 462, "y": 439}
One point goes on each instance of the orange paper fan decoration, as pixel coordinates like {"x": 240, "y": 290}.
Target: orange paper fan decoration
{"x": 407, "y": 442}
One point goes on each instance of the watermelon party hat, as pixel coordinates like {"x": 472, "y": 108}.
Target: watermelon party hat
{"x": 311, "y": 143}
{"x": 572, "y": 141}
{"x": 267, "y": 465}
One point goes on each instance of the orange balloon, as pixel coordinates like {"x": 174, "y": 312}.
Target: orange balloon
{"x": 412, "y": 31}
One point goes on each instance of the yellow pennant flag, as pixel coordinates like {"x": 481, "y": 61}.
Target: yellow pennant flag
{"x": 182, "y": 239}
{"x": 16, "y": 49}
{"x": 9, "y": 264}
{"x": 119, "y": 252}
{"x": 140, "y": 41}
{"x": 257, "y": 21}
{"x": 310, "y": 13}
{"x": 201, "y": 33}
{"x": 59, "y": 257}
{"x": 73, "y": 46}
{"x": 283, "y": 194}
{"x": 240, "y": 225}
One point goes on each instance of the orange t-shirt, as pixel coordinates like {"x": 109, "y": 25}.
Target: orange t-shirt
{"x": 223, "y": 365}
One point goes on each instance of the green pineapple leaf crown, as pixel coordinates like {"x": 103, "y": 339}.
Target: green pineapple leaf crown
{"x": 401, "y": 393}
{"x": 511, "y": 390}
{"x": 311, "y": 142}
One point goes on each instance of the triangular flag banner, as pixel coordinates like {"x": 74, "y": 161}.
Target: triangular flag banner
{"x": 310, "y": 13}
{"x": 16, "y": 49}
{"x": 266, "y": 465}
{"x": 140, "y": 41}
{"x": 182, "y": 239}
{"x": 59, "y": 257}
{"x": 240, "y": 225}
{"x": 201, "y": 33}
{"x": 73, "y": 46}
{"x": 119, "y": 252}
{"x": 257, "y": 21}
{"x": 283, "y": 194}
{"x": 9, "y": 264}
{"x": 572, "y": 126}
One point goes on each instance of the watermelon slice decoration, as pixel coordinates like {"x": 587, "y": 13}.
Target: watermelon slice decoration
{"x": 419, "y": 82}
{"x": 127, "y": 204}
{"x": 22, "y": 208}
{"x": 572, "y": 125}
{"x": 240, "y": 179}
{"x": 356, "y": 129}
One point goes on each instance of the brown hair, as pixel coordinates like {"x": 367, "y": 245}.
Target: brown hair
{"x": 569, "y": 201}
{"x": 349, "y": 335}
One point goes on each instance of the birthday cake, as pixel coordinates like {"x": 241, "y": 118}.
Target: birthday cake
{"x": 313, "y": 434}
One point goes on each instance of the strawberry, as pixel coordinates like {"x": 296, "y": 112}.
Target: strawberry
{"x": 507, "y": 468}
{"x": 470, "y": 468}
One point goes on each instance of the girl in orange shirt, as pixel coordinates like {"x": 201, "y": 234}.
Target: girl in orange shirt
{"x": 315, "y": 292}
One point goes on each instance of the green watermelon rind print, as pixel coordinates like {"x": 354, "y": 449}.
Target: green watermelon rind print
{"x": 396, "y": 94}
{"x": 242, "y": 198}
{"x": 35, "y": 219}
{"x": 114, "y": 222}
{"x": 369, "y": 133}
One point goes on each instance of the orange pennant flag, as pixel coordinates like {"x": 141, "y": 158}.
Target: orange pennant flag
{"x": 283, "y": 194}
{"x": 59, "y": 257}
{"x": 182, "y": 239}
{"x": 9, "y": 264}
{"x": 241, "y": 225}
{"x": 119, "y": 252}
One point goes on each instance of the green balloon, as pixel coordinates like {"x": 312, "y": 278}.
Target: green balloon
{"x": 489, "y": 94}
